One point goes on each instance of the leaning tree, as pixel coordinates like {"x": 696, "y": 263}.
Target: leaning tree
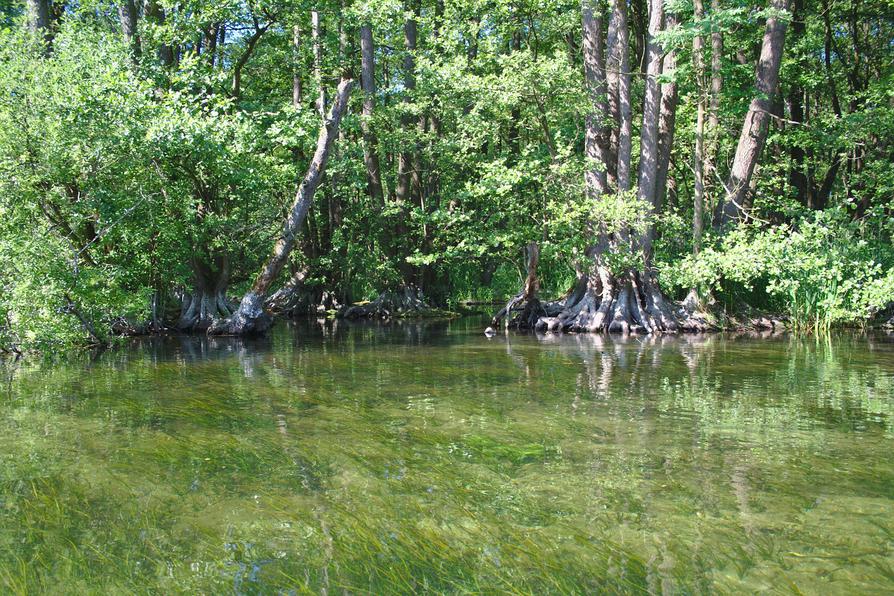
{"x": 252, "y": 317}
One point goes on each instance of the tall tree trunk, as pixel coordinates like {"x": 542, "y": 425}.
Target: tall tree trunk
{"x": 39, "y": 21}
{"x": 716, "y": 71}
{"x": 698, "y": 161}
{"x": 648, "y": 144}
{"x": 612, "y": 72}
{"x": 297, "y": 89}
{"x": 316, "y": 34}
{"x": 667, "y": 121}
{"x": 604, "y": 300}
{"x": 639, "y": 25}
{"x": 622, "y": 48}
{"x": 713, "y": 132}
{"x": 127, "y": 16}
{"x": 797, "y": 177}
{"x": 251, "y": 318}
{"x": 597, "y": 139}
{"x": 406, "y": 158}
{"x": 370, "y": 142}
{"x": 754, "y": 129}
{"x": 250, "y": 45}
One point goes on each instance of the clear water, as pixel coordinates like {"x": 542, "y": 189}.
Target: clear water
{"x": 428, "y": 458}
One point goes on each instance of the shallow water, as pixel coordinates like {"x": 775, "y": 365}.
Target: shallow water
{"x": 426, "y": 457}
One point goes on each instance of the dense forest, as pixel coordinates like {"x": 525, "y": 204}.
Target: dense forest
{"x": 641, "y": 165}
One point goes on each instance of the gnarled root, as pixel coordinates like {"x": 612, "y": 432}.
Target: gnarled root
{"x": 627, "y": 303}
{"x": 531, "y": 308}
{"x": 208, "y": 301}
{"x": 249, "y": 319}
{"x": 405, "y": 301}
{"x": 200, "y": 309}
{"x": 292, "y": 298}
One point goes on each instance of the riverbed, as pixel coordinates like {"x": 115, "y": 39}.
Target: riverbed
{"x": 426, "y": 457}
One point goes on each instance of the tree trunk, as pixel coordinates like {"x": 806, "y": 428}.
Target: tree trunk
{"x": 667, "y": 121}
{"x": 631, "y": 300}
{"x": 716, "y": 72}
{"x": 297, "y": 89}
{"x": 648, "y": 149}
{"x": 127, "y": 15}
{"x": 597, "y": 139}
{"x": 698, "y": 165}
{"x": 622, "y": 47}
{"x": 602, "y": 300}
{"x": 251, "y": 318}
{"x": 250, "y": 45}
{"x": 208, "y": 300}
{"x": 756, "y": 125}
{"x": 532, "y": 310}
{"x": 370, "y": 142}
{"x": 316, "y": 34}
{"x": 713, "y": 132}
{"x": 406, "y": 158}
{"x": 39, "y": 21}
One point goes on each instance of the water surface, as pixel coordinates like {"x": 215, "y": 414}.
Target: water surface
{"x": 426, "y": 457}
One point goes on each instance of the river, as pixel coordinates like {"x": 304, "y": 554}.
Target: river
{"x": 425, "y": 457}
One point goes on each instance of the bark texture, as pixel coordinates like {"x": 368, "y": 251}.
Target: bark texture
{"x": 207, "y": 302}
{"x": 667, "y": 122}
{"x": 316, "y": 33}
{"x": 39, "y": 21}
{"x": 598, "y": 133}
{"x": 648, "y": 153}
{"x": 757, "y": 120}
{"x": 370, "y": 142}
{"x": 622, "y": 48}
{"x": 127, "y": 16}
{"x": 251, "y": 317}
{"x": 602, "y": 300}
{"x": 698, "y": 158}
{"x": 405, "y": 301}
{"x": 406, "y": 159}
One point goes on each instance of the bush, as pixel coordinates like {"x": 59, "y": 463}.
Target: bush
{"x": 821, "y": 270}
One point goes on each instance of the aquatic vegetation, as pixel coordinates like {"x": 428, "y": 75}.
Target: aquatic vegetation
{"x": 345, "y": 457}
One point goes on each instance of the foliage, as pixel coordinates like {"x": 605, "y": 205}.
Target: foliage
{"x": 124, "y": 176}
{"x": 819, "y": 270}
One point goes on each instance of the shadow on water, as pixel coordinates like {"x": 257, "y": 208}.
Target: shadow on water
{"x": 423, "y": 456}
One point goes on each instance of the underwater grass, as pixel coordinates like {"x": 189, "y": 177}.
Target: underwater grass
{"x": 419, "y": 460}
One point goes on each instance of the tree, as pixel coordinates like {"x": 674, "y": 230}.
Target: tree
{"x": 698, "y": 156}
{"x": 251, "y": 318}
{"x": 757, "y": 120}
{"x": 370, "y": 142}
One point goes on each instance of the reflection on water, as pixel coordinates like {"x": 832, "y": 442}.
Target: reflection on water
{"x": 426, "y": 457}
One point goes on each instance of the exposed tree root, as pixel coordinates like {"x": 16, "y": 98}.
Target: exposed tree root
{"x": 293, "y": 298}
{"x": 531, "y": 308}
{"x": 600, "y": 302}
{"x": 208, "y": 300}
{"x": 200, "y": 309}
{"x": 406, "y": 301}
{"x": 251, "y": 318}
{"x": 630, "y": 303}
